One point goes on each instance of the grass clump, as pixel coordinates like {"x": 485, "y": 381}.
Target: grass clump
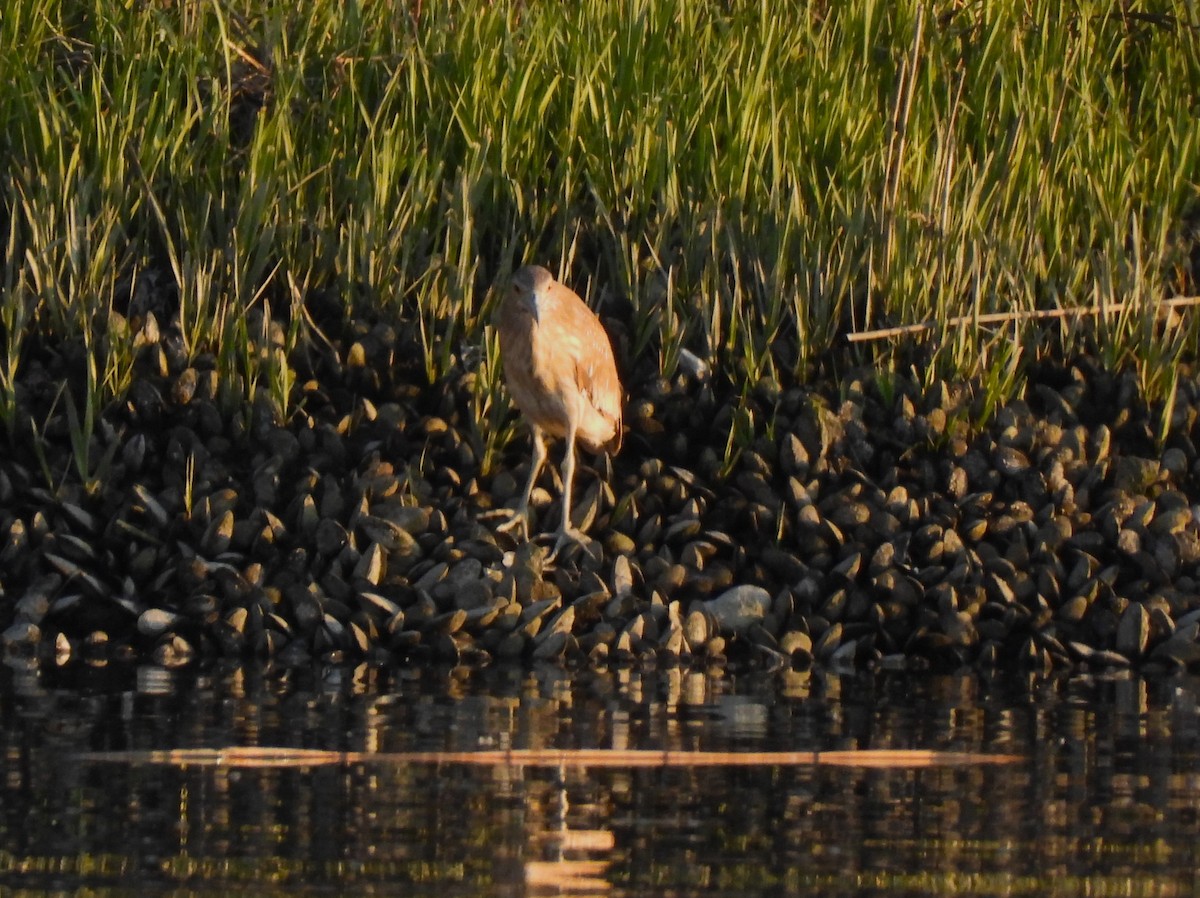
{"x": 742, "y": 180}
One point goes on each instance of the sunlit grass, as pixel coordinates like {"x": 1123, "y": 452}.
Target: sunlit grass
{"x": 753, "y": 181}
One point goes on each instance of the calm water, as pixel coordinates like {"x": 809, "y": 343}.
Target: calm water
{"x": 1103, "y": 800}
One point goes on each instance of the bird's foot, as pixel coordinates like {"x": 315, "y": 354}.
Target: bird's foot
{"x": 569, "y": 536}
{"x": 513, "y": 519}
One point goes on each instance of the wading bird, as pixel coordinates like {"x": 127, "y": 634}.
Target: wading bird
{"x": 559, "y": 367}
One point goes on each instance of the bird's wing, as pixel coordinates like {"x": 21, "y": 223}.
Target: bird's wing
{"x": 603, "y": 391}
{"x": 595, "y": 367}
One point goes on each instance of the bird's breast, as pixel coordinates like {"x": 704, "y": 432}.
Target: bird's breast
{"x": 533, "y": 371}
{"x": 559, "y": 368}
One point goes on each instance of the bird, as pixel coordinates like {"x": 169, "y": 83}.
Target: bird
{"x": 560, "y": 370}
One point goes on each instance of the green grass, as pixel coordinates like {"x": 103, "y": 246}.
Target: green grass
{"x": 754, "y": 181}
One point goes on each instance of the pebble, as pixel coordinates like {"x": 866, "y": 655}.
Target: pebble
{"x": 737, "y": 610}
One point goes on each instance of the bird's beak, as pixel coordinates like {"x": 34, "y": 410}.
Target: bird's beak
{"x": 533, "y": 307}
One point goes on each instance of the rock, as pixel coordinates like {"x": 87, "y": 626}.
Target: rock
{"x": 153, "y": 622}
{"x": 738, "y": 609}
{"x": 1134, "y": 475}
{"x": 22, "y": 633}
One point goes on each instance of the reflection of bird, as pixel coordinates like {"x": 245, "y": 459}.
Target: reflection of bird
{"x": 559, "y": 367}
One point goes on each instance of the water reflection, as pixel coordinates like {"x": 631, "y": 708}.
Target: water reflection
{"x": 1105, "y": 800}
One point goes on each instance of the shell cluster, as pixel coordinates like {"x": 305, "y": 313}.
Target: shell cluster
{"x": 849, "y": 525}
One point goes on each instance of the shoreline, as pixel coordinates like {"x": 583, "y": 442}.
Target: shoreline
{"x": 852, "y": 530}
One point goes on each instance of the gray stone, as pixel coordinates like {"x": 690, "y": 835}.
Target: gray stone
{"x": 739, "y": 608}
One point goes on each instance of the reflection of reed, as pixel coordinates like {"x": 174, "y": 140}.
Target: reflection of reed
{"x": 569, "y": 869}
{"x": 559, "y": 859}
{"x": 573, "y": 876}
{"x": 266, "y": 757}
{"x": 556, "y": 858}
{"x": 1102, "y": 802}
{"x": 581, "y": 839}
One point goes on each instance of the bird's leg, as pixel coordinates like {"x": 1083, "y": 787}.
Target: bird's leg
{"x": 521, "y": 516}
{"x": 535, "y": 468}
{"x": 568, "y": 476}
{"x": 566, "y": 531}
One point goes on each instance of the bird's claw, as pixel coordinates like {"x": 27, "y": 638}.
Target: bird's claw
{"x": 517, "y": 520}
{"x": 569, "y": 535}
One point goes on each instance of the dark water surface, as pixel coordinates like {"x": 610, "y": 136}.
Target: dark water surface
{"x": 1103, "y": 799}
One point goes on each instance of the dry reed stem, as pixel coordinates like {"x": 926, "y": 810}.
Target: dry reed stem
{"x": 1167, "y": 305}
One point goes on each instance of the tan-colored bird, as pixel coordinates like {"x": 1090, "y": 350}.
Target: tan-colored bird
{"x": 559, "y": 367}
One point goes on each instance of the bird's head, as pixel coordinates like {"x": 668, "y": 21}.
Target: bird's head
{"x": 529, "y": 287}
